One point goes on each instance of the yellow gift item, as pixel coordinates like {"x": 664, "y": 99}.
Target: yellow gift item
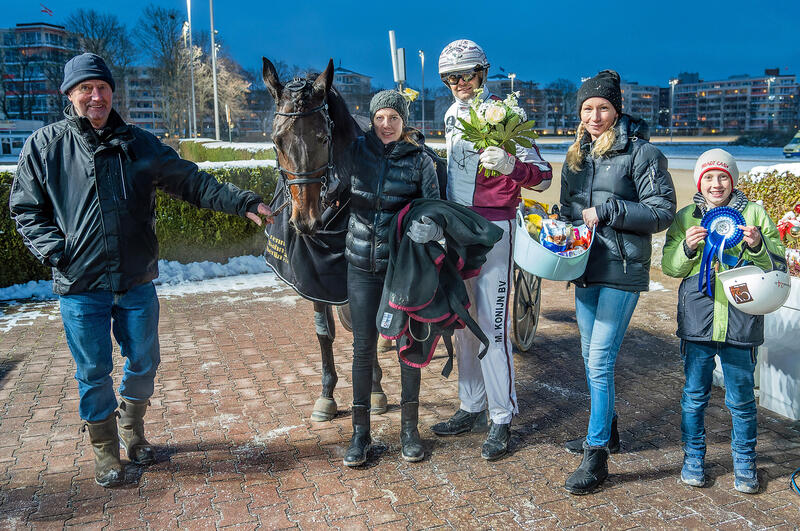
{"x": 533, "y": 224}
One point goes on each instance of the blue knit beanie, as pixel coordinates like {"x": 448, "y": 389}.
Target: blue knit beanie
{"x": 83, "y": 67}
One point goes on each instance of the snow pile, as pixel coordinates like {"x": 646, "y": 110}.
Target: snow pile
{"x": 230, "y": 164}
{"x": 8, "y": 168}
{"x": 252, "y": 147}
{"x": 35, "y": 289}
{"x": 758, "y": 172}
{"x": 170, "y": 273}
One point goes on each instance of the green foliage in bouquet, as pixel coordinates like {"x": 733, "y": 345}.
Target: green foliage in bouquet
{"x": 497, "y": 123}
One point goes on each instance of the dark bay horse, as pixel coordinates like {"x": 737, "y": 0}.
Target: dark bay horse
{"x": 312, "y": 131}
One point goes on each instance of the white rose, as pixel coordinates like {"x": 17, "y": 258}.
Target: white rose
{"x": 495, "y": 114}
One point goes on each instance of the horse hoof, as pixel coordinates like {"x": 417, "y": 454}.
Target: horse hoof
{"x": 324, "y": 409}
{"x": 378, "y": 403}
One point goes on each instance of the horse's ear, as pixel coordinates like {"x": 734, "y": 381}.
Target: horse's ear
{"x": 271, "y": 80}
{"x": 325, "y": 80}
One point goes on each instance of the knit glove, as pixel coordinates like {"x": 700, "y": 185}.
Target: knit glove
{"x": 495, "y": 158}
{"x": 425, "y": 230}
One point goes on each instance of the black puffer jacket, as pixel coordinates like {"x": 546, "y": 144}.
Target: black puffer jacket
{"x": 85, "y": 205}
{"x": 384, "y": 178}
{"x": 634, "y": 196}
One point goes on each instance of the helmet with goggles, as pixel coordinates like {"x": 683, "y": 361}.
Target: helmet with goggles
{"x": 462, "y": 58}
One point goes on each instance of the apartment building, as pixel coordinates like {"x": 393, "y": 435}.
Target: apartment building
{"x": 143, "y": 101}
{"x": 32, "y": 57}
{"x": 355, "y": 88}
{"x": 641, "y": 101}
{"x": 740, "y": 103}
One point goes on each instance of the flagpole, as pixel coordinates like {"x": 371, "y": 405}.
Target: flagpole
{"x": 191, "y": 65}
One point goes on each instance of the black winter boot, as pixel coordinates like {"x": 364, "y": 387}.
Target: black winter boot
{"x": 575, "y": 446}
{"x": 462, "y": 422}
{"x": 131, "y": 431}
{"x": 108, "y": 471}
{"x": 361, "y": 442}
{"x": 496, "y": 444}
{"x": 409, "y": 434}
{"x": 592, "y": 472}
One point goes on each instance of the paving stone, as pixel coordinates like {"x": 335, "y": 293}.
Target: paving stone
{"x": 237, "y": 450}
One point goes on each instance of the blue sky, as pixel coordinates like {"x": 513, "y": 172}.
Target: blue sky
{"x": 648, "y": 42}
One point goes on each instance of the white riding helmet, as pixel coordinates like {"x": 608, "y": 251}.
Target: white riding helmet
{"x": 462, "y": 55}
{"x": 753, "y": 291}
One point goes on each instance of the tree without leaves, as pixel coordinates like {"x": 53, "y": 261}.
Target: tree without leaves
{"x": 104, "y": 35}
{"x": 159, "y": 34}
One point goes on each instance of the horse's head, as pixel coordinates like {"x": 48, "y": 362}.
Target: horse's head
{"x": 303, "y": 139}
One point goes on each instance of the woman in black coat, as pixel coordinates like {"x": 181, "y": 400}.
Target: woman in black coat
{"x": 616, "y": 182}
{"x": 389, "y": 169}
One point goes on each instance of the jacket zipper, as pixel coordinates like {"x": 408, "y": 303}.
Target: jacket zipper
{"x": 373, "y": 263}
{"x": 622, "y": 252}
{"x": 122, "y": 177}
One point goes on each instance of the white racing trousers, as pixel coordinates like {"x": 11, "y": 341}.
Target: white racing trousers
{"x": 489, "y": 382}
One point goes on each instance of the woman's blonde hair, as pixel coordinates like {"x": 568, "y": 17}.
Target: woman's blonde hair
{"x": 409, "y": 135}
{"x": 601, "y": 146}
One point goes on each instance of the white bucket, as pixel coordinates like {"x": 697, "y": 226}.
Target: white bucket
{"x": 536, "y": 259}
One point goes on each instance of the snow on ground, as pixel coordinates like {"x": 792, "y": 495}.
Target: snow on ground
{"x": 176, "y": 279}
{"x": 682, "y": 156}
{"x": 252, "y": 147}
{"x": 248, "y": 275}
{"x": 235, "y": 164}
{"x": 758, "y": 171}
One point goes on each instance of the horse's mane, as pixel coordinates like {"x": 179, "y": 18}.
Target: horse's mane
{"x": 346, "y": 129}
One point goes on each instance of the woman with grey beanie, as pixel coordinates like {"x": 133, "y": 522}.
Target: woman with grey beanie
{"x": 389, "y": 169}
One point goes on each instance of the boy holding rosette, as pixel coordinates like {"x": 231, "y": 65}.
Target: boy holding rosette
{"x": 707, "y": 324}
{"x": 491, "y": 154}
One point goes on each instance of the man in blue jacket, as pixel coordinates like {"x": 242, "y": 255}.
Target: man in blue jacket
{"x": 83, "y": 200}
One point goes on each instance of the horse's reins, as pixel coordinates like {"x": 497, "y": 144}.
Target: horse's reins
{"x": 294, "y": 86}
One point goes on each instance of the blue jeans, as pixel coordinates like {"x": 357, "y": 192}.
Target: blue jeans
{"x": 87, "y": 321}
{"x": 603, "y": 315}
{"x": 738, "y": 365}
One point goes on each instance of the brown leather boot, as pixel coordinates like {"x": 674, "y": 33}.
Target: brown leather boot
{"x": 131, "y": 431}
{"x": 108, "y": 471}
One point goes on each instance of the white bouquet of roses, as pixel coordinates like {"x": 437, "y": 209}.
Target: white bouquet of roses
{"x": 500, "y": 123}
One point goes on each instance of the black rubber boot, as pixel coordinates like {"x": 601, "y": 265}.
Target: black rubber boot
{"x": 463, "y": 422}
{"x": 131, "y": 431}
{"x": 108, "y": 471}
{"x": 361, "y": 442}
{"x": 409, "y": 434}
{"x": 496, "y": 445}
{"x": 575, "y": 446}
{"x": 591, "y": 473}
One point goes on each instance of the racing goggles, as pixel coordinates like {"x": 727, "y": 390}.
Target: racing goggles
{"x": 455, "y": 77}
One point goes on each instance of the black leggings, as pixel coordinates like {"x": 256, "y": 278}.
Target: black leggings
{"x": 364, "y": 290}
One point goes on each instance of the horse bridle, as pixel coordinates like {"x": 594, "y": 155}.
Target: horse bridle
{"x": 295, "y": 86}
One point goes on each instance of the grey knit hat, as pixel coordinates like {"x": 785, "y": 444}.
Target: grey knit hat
{"x": 604, "y": 85}
{"x": 85, "y": 66}
{"x": 389, "y": 99}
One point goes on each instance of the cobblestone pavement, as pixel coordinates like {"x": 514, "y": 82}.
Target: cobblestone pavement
{"x": 237, "y": 450}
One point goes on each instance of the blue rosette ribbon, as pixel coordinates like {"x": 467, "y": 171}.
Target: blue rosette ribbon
{"x": 722, "y": 224}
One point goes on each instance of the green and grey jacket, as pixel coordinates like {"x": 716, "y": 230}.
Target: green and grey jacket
{"x": 84, "y": 202}
{"x": 703, "y": 318}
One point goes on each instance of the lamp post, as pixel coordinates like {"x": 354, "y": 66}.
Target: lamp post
{"x": 191, "y": 63}
{"x": 511, "y": 76}
{"x": 672, "y": 83}
{"x": 422, "y": 61}
{"x": 214, "y": 71}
